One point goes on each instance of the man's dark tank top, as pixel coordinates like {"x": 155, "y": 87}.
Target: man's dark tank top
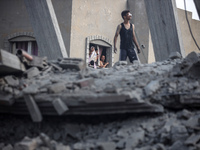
{"x": 126, "y": 37}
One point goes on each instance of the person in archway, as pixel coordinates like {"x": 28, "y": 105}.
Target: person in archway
{"x": 103, "y": 64}
{"x": 127, "y": 38}
{"x": 92, "y": 57}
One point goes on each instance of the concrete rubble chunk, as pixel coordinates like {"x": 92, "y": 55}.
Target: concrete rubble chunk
{"x": 11, "y": 80}
{"x": 72, "y": 63}
{"x": 56, "y": 67}
{"x": 185, "y": 114}
{"x": 178, "y": 132}
{"x": 38, "y": 62}
{"x": 32, "y": 72}
{"x": 106, "y": 145}
{"x": 10, "y": 64}
{"x": 56, "y": 87}
{"x": 178, "y": 145}
{"x": 8, "y": 147}
{"x": 60, "y": 106}
{"x": 184, "y": 67}
{"x": 26, "y": 144}
{"x": 31, "y": 89}
{"x": 33, "y": 108}
{"x": 85, "y": 82}
{"x": 193, "y": 139}
{"x": 175, "y": 55}
{"x": 152, "y": 87}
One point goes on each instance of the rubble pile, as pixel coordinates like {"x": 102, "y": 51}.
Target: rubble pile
{"x": 166, "y": 95}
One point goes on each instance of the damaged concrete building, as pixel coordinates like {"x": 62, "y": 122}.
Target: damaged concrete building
{"x": 58, "y": 103}
{"x": 82, "y": 23}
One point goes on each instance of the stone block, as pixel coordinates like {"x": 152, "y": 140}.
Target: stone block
{"x": 26, "y": 144}
{"x": 85, "y": 82}
{"x": 106, "y": 145}
{"x": 10, "y": 64}
{"x": 37, "y": 62}
{"x": 72, "y": 63}
{"x": 33, "y": 108}
{"x": 175, "y": 55}
{"x": 178, "y": 132}
{"x": 60, "y": 106}
{"x": 56, "y": 67}
{"x": 32, "y": 72}
{"x": 11, "y": 80}
{"x": 56, "y": 88}
{"x": 193, "y": 139}
{"x": 31, "y": 89}
{"x": 152, "y": 87}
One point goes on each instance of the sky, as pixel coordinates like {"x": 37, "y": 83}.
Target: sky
{"x": 190, "y": 6}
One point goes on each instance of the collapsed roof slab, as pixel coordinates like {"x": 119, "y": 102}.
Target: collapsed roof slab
{"x": 46, "y": 29}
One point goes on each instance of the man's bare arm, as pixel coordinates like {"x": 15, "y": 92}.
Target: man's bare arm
{"x": 115, "y": 37}
{"x": 135, "y": 40}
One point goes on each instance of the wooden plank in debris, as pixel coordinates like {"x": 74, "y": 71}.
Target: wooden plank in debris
{"x": 9, "y": 63}
{"x": 33, "y": 108}
{"x": 60, "y": 106}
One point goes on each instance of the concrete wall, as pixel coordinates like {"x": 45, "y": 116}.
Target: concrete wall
{"x": 14, "y": 19}
{"x": 188, "y": 42}
{"x": 94, "y": 17}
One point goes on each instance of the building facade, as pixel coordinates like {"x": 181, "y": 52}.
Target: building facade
{"x": 84, "y": 23}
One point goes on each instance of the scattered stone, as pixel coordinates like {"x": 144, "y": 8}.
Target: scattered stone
{"x": 60, "y": 106}
{"x": 32, "y": 72}
{"x": 193, "y": 139}
{"x": 175, "y": 55}
{"x": 26, "y": 144}
{"x": 8, "y": 147}
{"x": 85, "y": 82}
{"x": 57, "y": 87}
{"x": 152, "y": 87}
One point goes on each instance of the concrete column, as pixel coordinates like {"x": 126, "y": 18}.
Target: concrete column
{"x": 197, "y": 4}
{"x": 164, "y": 28}
{"x": 46, "y": 28}
{"x": 139, "y": 19}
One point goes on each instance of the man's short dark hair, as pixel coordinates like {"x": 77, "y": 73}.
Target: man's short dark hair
{"x": 124, "y": 13}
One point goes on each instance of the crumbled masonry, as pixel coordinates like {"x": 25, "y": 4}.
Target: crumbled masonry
{"x": 64, "y": 105}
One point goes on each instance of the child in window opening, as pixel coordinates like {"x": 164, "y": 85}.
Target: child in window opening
{"x": 103, "y": 64}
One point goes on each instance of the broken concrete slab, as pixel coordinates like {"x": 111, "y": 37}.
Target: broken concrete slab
{"x": 10, "y": 64}
{"x": 60, "y": 106}
{"x": 56, "y": 87}
{"x": 72, "y": 63}
{"x": 152, "y": 87}
{"x": 33, "y": 108}
{"x": 85, "y": 82}
{"x": 26, "y": 144}
{"x": 11, "y": 80}
{"x": 32, "y": 72}
{"x": 175, "y": 55}
{"x": 193, "y": 139}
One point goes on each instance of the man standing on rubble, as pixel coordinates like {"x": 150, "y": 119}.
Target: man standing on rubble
{"x": 127, "y": 38}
